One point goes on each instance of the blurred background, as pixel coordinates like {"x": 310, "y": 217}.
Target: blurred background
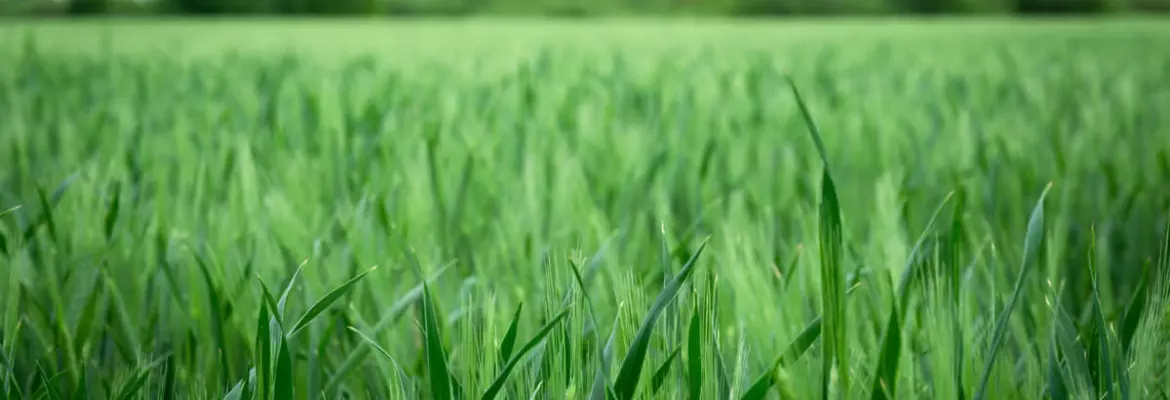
{"x": 574, "y": 8}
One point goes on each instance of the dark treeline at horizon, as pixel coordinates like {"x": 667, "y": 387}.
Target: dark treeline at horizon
{"x": 571, "y": 8}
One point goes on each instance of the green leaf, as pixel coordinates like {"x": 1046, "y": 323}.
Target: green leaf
{"x": 112, "y": 212}
{"x": 831, "y": 253}
{"x": 796, "y": 349}
{"x": 131, "y": 387}
{"x": 88, "y": 315}
{"x": 886, "y": 379}
{"x": 510, "y": 336}
{"x": 49, "y": 384}
{"x": 216, "y": 318}
{"x": 288, "y": 289}
{"x": 262, "y": 356}
{"x": 1104, "y": 361}
{"x": 631, "y": 369}
{"x": 270, "y": 302}
{"x": 1133, "y": 312}
{"x": 389, "y": 318}
{"x": 380, "y": 350}
{"x": 1032, "y": 240}
{"x": 283, "y": 383}
{"x": 440, "y": 375}
{"x": 502, "y": 378}
{"x": 1056, "y": 388}
{"x": 326, "y": 301}
{"x": 236, "y": 393}
{"x": 695, "y": 356}
{"x": 660, "y": 374}
{"x": 600, "y": 388}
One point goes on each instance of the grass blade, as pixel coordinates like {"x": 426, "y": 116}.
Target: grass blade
{"x": 283, "y": 386}
{"x": 796, "y": 349}
{"x": 1134, "y": 311}
{"x": 1032, "y": 240}
{"x": 631, "y": 369}
{"x": 262, "y": 358}
{"x": 217, "y": 320}
{"x": 1104, "y": 362}
{"x": 660, "y": 373}
{"x": 390, "y": 317}
{"x": 502, "y": 378}
{"x": 510, "y": 336}
{"x": 440, "y": 375}
{"x": 694, "y": 357}
{"x": 831, "y": 253}
{"x": 886, "y": 378}
{"x": 325, "y": 302}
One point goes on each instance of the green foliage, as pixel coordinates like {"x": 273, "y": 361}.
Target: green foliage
{"x": 198, "y": 223}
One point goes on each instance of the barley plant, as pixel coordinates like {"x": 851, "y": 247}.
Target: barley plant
{"x": 800, "y": 210}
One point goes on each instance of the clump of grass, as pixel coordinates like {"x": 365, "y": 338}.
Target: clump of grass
{"x": 610, "y": 223}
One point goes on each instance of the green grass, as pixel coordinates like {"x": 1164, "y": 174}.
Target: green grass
{"x": 586, "y": 210}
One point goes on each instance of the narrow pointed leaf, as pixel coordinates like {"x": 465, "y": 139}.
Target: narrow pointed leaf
{"x": 1033, "y": 238}
{"x": 631, "y": 369}
{"x": 502, "y": 378}
{"x": 660, "y": 374}
{"x": 326, "y": 301}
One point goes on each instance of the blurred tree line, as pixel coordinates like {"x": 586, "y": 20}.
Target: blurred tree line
{"x": 574, "y": 8}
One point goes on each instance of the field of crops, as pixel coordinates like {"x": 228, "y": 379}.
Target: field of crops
{"x": 271, "y": 209}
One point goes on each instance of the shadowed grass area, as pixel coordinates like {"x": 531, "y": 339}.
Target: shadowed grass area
{"x": 565, "y": 216}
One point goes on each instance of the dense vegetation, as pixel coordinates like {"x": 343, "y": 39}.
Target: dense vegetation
{"x": 571, "y": 8}
{"x": 942, "y": 211}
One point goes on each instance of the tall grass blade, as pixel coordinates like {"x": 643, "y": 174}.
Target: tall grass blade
{"x": 831, "y": 254}
{"x": 1103, "y": 362}
{"x": 1033, "y": 238}
{"x": 1134, "y": 311}
{"x": 390, "y": 317}
{"x": 216, "y": 318}
{"x": 660, "y": 374}
{"x": 502, "y": 378}
{"x": 694, "y": 356}
{"x": 886, "y": 378}
{"x": 326, "y": 301}
{"x": 262, "y": 357}
{"x": 631, "y": 369}
{"x": 440, "y": 375}
{"x": 510, "y": 336}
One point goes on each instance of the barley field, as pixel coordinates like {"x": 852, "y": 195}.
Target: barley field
{"x": 526, "y": 209}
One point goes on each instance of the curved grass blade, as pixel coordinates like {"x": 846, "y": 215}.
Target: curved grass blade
{"x": 956, "y": 273}
{"x": 440, "y": 375}
{"x": 326, "y": 301}
{"x": 695, "y": 356}
{"x": 112, "y": 213}
{"x": 131, "y": 388}
{"x": 270, "y": 302}
{"x": 288, "y": 289}
{"x": 496, "y": 386}
{"x": 262, "y": 357}
{"x": 1032, "y": 240}
{"x": 382, "y": 351}
{"x": 358, "y": 354}
{"x": 283, "y": 386}
{"x": 886, "y": 378}
{"x": 510, "y": 336}
{"x": 600, "y": 387}
{"x": 217, "y": 319}
{"x": 831, "y": 253}
{"x": 796, "y": 349}
{"x": 631, "y": 369}
{"x": 1104, "y": 361}
{"x": 660, "y": 374}
{"x": 1133, "y": 312}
